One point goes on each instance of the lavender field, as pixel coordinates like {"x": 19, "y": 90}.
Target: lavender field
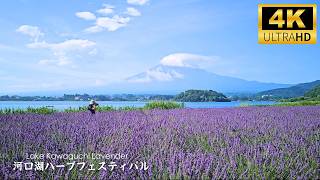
{"x": 248, "y": 142}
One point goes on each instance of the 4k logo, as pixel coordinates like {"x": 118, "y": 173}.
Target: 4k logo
{"x": 287, "y": 24}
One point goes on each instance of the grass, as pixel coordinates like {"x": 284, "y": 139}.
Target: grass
{"x": 50, "y": 110}
{"x": 40, "y": 110}
{"x": 163, "y": 105}
{"x": 299, "y": 103}
{"x": 283, "y": 103}
{"x": 148, "y": 106}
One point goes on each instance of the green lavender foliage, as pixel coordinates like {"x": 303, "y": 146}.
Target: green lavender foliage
{"x": 50, "y": 110}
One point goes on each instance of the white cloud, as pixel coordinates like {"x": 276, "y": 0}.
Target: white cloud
{"x": 32, "y": 31}
{"x": 61, "y": 60}
{"x": 133, "y": 11}
{"x": 86, "y": 15}
{"x": 188, "y": 60}
{"x": 107, "y": 9}
{"x": 68, "y": 45}
{"x": 137, "y": 2}
{"x": 110, "y": 24}
{"x": 93, "y": 29}
{"x": 163, "y": 73}
{"x": 64, "y": 51}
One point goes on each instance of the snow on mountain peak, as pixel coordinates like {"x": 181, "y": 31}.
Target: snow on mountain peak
{"x": 158, "y": 73}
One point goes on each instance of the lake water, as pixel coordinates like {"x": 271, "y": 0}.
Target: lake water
{"x": 60, "y": 105}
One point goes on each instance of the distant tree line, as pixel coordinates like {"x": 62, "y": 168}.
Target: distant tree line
{"x": 87, "y": 97}
{"x": 187, "y": 96}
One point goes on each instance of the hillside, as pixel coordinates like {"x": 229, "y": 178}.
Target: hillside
{"x": 290, "y": 92}
{"x": 201, "y": 96}
{"x": 313, "y": 93}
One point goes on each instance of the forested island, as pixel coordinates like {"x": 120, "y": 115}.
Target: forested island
{"x": 201, "y": 96}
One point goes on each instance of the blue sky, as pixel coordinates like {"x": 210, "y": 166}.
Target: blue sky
{"x": 69, "y": 44}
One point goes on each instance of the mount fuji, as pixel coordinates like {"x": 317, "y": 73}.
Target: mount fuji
{"x": 163, "y": 79}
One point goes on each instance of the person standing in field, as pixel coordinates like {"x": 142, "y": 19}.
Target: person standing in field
{"x": 93, "y": 106}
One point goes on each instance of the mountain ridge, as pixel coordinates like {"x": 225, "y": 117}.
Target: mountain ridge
{"x": 291, "y": 92}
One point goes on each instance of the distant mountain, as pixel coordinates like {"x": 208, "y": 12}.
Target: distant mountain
{"x": 290, "y": 92}
{"x": 163, "y": 79}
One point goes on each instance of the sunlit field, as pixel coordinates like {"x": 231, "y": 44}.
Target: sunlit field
{"x": 245, "y": 142}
